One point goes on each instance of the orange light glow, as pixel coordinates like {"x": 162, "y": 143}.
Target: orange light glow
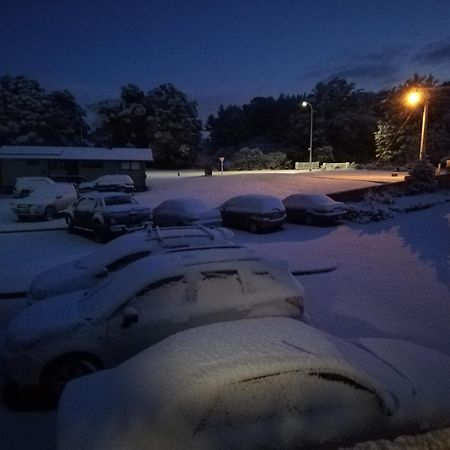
{"x": 413, "y": 98}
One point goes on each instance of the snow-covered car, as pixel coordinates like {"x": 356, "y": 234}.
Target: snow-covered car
{"x": 121, "y": 183}
{"x": 260, "y": 383}
{"x": 66, "y": 336}
{"x": 107, "y": 214}
{"x": 313, "y": 209}
{"x": 253, "y": 212}
{"x": 25, "y": 185}
{"x": 45, "y": 202}
{"x": 91, "y": 269}
{"x": 185, "y": 211}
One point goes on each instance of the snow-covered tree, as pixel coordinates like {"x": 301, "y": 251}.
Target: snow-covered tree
{"x": 31, "y": 116}
{"x": 173, "y": 127}
{"x": 398, "y": 133}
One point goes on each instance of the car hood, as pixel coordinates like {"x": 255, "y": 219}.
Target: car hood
{"x": 67, "y": 277}
{"x": 46, "y": 318}
{"x": 127, "y": 208}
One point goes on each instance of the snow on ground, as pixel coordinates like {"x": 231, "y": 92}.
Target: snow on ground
{"x": 392, "y": 277}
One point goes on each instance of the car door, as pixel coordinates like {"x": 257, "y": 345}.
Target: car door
{"x": 162, "y": 309}
{"x": 60, "y": 193}
{"x": 83, "y": 211}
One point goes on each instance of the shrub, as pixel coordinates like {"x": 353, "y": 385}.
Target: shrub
{"x": 422, "y": 177}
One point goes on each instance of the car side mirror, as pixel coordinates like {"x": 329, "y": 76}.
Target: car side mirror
{"x": 130, "y": 316}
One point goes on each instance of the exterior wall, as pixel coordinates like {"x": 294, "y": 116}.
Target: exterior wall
{"x": 13, "y": 168}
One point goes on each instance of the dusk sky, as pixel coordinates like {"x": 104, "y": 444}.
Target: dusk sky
{"x": 222, "y": 51}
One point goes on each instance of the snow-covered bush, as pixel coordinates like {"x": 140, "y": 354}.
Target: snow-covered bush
{"x": 421, "y": 178}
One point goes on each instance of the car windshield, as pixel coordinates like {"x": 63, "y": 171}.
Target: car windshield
{"x": 120, "y": 200}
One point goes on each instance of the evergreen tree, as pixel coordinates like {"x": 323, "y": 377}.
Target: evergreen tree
{"x": 398, "y": 133}
{"x": 173, "y": 127}
{"x": 30, "y": 116}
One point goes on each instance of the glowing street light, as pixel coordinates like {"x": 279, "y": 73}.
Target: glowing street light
{"x": 304, "y": 105}
{"x": 413, "y": 98}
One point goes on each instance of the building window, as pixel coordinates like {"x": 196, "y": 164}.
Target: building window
{"x": 130, "y": 165}
{"x": 92, "y": 165}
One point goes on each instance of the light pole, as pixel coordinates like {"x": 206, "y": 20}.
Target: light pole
{"x": 304, "y": 105}
{"x": 221, "y": 164}
{"x": 413, "y": 98}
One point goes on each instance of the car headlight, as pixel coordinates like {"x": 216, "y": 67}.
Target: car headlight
{"x": 22, "y": 342}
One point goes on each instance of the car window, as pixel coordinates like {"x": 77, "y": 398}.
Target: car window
{"x": 86, "y": 204}
{"x": 168, "y": 288}
{"x": 120, "y": 200}
{"x": 262, "y": 281}
{"x": 219, "y": 285}
{"x": 123, "y": 262}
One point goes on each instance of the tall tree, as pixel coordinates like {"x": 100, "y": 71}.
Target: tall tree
{"x": 344, "y": 118}
{"x": 30, "y": 116}
{"x": 173, "y": 127}
{"x": 399, "y": 131}
{"x": 122, "y": 122}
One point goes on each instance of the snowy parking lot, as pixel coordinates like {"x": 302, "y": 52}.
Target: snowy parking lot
{"x": 391, "y": 278}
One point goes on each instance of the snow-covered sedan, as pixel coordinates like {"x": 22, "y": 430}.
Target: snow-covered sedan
{"x": 91, "y": 269}
{"x": 53, "y": 341}
{"x": 261, "y": 383}
{"x": 253, "y": 212}
{"x": 185, "y": 211}
{"x": 108, "y": 183}
{"x": 313, "y": 209}
{"x": 107, "y": 214}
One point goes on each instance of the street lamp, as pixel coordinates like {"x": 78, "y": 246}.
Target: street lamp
{"x": 221, "y": 158}
{"x": 304, "y": 105}
{"x": 413, "y": 98}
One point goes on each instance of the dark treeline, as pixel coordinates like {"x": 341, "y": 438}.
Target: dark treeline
{"x": 349, "y": 124}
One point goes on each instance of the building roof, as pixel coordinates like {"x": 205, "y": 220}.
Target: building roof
{"x": 76, "y": 153}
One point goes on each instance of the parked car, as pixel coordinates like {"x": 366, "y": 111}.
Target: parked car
{"x": 105, "y": 183}
{"x": 85, "y": 272}
{"x": 107, "y": 214}
{"x": 185, "y": 211}
{"x": 263, "y": 383}
{"x": 24, "y": 185}
{"x": 254, "y": 212}
{"x": 45, "y": 202}
{"x": 53, "y": 341}
{"x": 313, "y": 209}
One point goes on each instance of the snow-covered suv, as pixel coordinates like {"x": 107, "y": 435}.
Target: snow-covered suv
{"x": 54, "y": 341}
{"x": 104, "y": 261}
{"x": 45, "y": 202}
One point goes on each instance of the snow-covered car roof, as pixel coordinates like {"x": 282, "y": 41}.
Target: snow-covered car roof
{"x": 271, "y": 382}
{"x": 309, "y": 199}
{"x": 110, "y": 295}
{"x": 67, "y": 276}
{"x": 256, "y": 201}
{"x": 114, "y": 178}
{"x": 184, "y": 204}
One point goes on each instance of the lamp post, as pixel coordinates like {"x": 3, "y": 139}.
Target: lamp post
{"x": 221, "y": 164}
{"x": 304, "y": 105}
{"x": 413, "y": 98}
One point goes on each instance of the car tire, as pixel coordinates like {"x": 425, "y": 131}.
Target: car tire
{"x": 49, "y": 213}
{"x": 59, "y": 373}
{"x": 309, "y": 219}
{"x": 70, "y": 224}
{"x": 253, "y": 227}
{"x": 100, "y": 234}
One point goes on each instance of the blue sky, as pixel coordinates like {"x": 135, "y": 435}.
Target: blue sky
{"x": 222, "y": 51}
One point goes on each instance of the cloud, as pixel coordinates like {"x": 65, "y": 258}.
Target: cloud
{"x": 436, "y": 53}
{"x": 381, "y": 67}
